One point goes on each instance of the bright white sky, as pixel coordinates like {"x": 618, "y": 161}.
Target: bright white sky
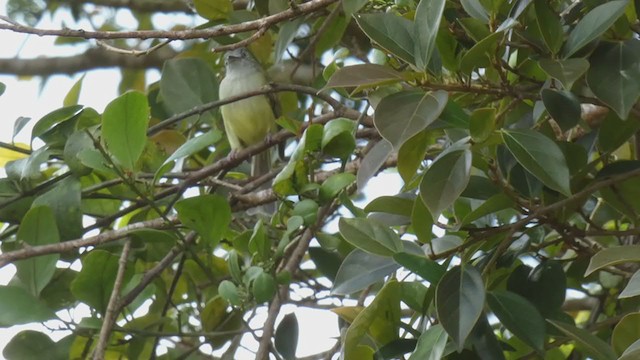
{"x": 34, "y": 98}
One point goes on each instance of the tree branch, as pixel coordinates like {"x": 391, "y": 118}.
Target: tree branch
{"x": 220, "y": 30}
{"x": 111, "y": 314}
{"x": 91, "y": 59}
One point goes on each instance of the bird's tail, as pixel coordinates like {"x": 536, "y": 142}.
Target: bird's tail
{"x": 260, "y": 165}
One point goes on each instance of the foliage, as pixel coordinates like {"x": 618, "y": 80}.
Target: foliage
{"x": 512, "y": 125}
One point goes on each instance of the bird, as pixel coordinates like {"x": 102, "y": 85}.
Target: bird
{"x": 248, "y": 121}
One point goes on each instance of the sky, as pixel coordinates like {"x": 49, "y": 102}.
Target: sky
{"x": 34, "y": 98}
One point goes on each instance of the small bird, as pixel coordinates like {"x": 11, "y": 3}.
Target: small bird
{"x": 248, "y": 121}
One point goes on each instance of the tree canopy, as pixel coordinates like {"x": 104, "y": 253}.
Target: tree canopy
{"x": 512, "y": 125}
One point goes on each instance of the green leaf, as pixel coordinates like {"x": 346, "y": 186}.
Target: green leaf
{"x": 213, "y": 9}
{"x": 124, "y": 127}
{"x": 445, "y": 180}
{"x": 331, "y": 187}
{"x": 363, "y": 75}
{"x": 614, "y": 132}
{"x": 229, "y": 292}
{"x": 427, "y": 269}
{"x": 338, "y": 138}
{"x": 594, "y": 24}
{"x": 187, "y": 83}
{"x": 264, "y": 287}
{"x": 370, "y": 236}
{"x": 351, "y": 7}
{"x": 208, "y": 215}
{"x": 613, "y": 256}
{"x": 478, "y": 56}
{"x": 402, "y": 115}
{"x": 194, "y": 145}
{"x": 632, "y": 352}
{"x": 37, "y": 228}
{"x": 29, "y": 344}
{"x": 422, "y": 221}
{"x": 19, "y": 307}
{"x": 398, "y": 205}
{"x": 540, "y": 156}
{"x": 392, "y": 32}
{"x": 587, "y": 342}
{"x": 65, "y": 201}
{"x": 359, "y": 270}
{"x": 566, "y": 71}
{"x": 286, "y": 337}
{"x": 380, "y": 319}
{"x": 492, "y": 205}
{"x": 459, "y": 301}
{"x": 3, "y": 87}
{"x": 431, "y": 344}
{"x": 475, "y": 9}
{"x": 519, "y": 316}
{"x": 74, "y": 94}
{"x": 482, "y": 122}
{"x": 94, "y": 284}
{"x": 549, "y": 26}
{"x": 53, "y": 118}
{"x": 428, "y": 15}
{"x": 412, "y": 153}
{"x": 373, "y": 160}
{"x": 563, "y": 106}
{"x": 259, "y": 243}
{"x": 614, "y": 68}
{"x": 633, "y": 287}
{"x": 626, "y": 332}
{"x": 545, "y": 286}
{"x": 286, "y": 34}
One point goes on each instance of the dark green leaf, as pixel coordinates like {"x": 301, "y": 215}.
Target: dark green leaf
{"x": 549, "y": 26}
{"x": 519, "y": 316}
{"x": 370, "y": 236}
{"x": 459, "y": 301}
{"x": 421, "y": 265}
{"x": 65, "y": 201}
{"x": 350, "y": 7}
{"x": 545, "y": 286}
{"x": 412, "y": 153}
{"x": 592, "y": 25}
{"x": 614, "y": 68}
{"x": 566, "y": 71}
{"x": 363, "y": 75}
{"x": 37, "y": 228}
{"x": 445, "y": 180}
{"x": 124, "y": 127}
{"x": 54, "y": 118}
{"x": 402, "y": 115}
{"x": 286, "y": 338}
{"x": 187, "y": 83}
{"x": 29, "y": 344}
{"x": 482, "y": 123}
{"x": 208, "y": 215}
{"x": 338, "y": 138}
{"x": 392, "y": 32}
{"x": 428, "y": 15}
{"x": 19, "y": 307}
{"x": 372, "y": 162}
{"x": 286, "y": 34}
{"x": 213, "y": 9}
{"x": 94, "y": 283}
{"x": 613, "y": 256}
{"x": 540, "y": 156}
{"x": 359, "y": 270}
{"x": 589, "y": 343}
{"x": 563, "y": 106}
{"x": 334, "y": 185}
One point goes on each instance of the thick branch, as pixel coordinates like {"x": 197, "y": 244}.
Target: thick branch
{"x": 221, "y": 30}
{"x": 91, "y": 59}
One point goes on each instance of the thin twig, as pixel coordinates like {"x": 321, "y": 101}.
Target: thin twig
{"x": 111, "y": 314}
